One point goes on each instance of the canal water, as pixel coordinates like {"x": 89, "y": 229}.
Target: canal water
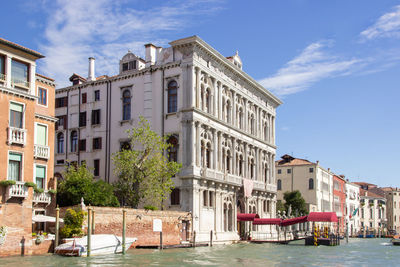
{"x": 358, "y": 252}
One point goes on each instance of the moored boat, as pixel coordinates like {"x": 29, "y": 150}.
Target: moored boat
{"x": 396, "y": 240}
{"x": 100, "y": 245}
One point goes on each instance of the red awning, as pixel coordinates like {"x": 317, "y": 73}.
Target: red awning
{"x": 245, "y": 217}
{"x": 262, "y": 221}
{"x": 291, "y": 221}
{"x": 322, "y": 217}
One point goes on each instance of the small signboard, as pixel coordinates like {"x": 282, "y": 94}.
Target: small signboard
{"x": 157, "y": 225}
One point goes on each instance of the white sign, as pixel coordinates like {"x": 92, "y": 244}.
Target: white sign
{"x": 157, "y": 225}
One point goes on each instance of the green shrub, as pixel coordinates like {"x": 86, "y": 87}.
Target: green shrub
{"x": 73, "y": 221}
{"x": 150, "y": 207}
{"x": 34, "y": 234}
{"x": 38, "y": 190}
{"x": 52, "y": 191}
{"x": 30, "y": 184}
{"x": 6, "y": 183}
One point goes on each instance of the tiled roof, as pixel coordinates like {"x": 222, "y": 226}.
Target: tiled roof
{"x": 369, "y": 193}
{"x": 20, "y": 47}
{"x": 48, "y": 78}
{"x": 288, "y": 160}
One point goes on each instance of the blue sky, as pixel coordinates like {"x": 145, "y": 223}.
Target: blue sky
{"x": 335, "y": 64}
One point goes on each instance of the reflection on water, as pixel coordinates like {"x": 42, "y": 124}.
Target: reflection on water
{"x": 359, "y": 252}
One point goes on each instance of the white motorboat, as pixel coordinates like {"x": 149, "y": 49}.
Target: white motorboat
{"x": 100, "y": 245}
{"x": 396, "y": 240}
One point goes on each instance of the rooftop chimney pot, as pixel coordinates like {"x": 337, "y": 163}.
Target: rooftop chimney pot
{"x": 91, "y": 76}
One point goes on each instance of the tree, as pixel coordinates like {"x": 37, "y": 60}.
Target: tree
{"x": 144, "y": 172}
{"x": 295, "y": 201}
{"x": 78, "y": 182}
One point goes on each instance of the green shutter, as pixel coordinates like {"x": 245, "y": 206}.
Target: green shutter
{"x": 40, "y": 172}
{"x": 16, "y": 107}
{"x": 41, "y": 134}
{"x": 15, "y": 157}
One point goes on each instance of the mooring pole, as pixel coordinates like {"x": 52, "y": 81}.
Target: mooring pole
{"x": 211, "y": 238}
{"x": 57, "y": 226}
{"x": 194, "y": 239}
{"x": 161, "y": 241}
{"x": 93, "y": 223}
{"x": 89, "y": 231}
{"x": 123, "y": 230}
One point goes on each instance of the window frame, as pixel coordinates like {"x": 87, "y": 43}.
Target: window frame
{"x": 23, "y": 113}
{"x": 58, "y": 142}
{"x": 95, "y": 122}
{"x": 28, "y": 65}
{"x": 96, "y": 95}
{"x": 38, "y": 101}
{"x": 47, "y": 133}
{"x": 45, "y": 174}
{"x": 83, "y": 98}
{"x": 76, "y": 149}
{"x": 94, "y": 140}
{"x": 84, "y": 122}
{"x": 175, "y": 197}
{"x": 126, "y": 104}
{"x": 172, "y": 98}
{"x": 21, "y": 167}
{"x": 94, "y": 168}
{"x": 279, "y": 185}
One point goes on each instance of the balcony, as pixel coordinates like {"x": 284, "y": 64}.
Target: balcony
{"x": 42, "y": 152}
{"x": 20, "y": 84}
{"x": 19, "y": 190}
{"x": 257, "y": 185}
{"x": 16, "y": 136}
{"x": 44, "y": 197}
{"x": 234, "y": 179}
{"x": 3, "y": 78}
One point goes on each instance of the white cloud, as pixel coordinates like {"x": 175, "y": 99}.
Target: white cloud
{"x": 313, "y": 64}
{"x": 106, "y": 29}
{"x": 388, "y": 25}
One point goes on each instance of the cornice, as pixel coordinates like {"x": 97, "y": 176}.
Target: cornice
{"x": 45, "y": 117}
{"x": 18, "y": 93}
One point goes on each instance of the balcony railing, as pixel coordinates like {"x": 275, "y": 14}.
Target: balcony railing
{"x": 40, "y": 151}
{"x": 16, "y": 136}
{"x": 20, "y": 83}
{"x": 18, "y": 190}
{"x": 3, "y": 77}
{"x": 234, "y": 179}
{"x": 258, "y": 185}
{"x": 44, "y": 197}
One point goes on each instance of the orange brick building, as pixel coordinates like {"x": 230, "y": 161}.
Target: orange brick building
{"x": 26, "y": 146}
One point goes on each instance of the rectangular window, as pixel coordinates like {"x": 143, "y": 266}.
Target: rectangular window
{"x": 96, "y": 171}
{"x": 42, "y": 94}
{"x": 40, "y": 176}
{"x": 41, "y": 135}
{"x": 96, "y": 143}
{"x": 311, "y": 170}
{"x": 61, "y": 102}
{"x": 211, "y": 199}
{"x": 82, "y": 145}
{"x": 82, "y": 119}
{"x": 14, "y": 166}
{"x": 60, "y": 162}
{"x": 97, "y": 95}
{"x": 279, "y": 171}
{"x": 95, "y": 116}
{"x": 289, "y": 170}
{"x": 20, "y": 73}
{"x": 62, "y": 121}
{"x": 84, "y": 98}
{"x": 175, "y": 196}
{"x": 16, "y": 115}
{"x": 2, "y": 68}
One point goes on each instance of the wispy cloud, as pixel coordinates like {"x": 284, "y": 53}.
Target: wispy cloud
{"x": 106, "y": 29}
{"x": 313, "y": 64}
{"x": 388, "y": 25}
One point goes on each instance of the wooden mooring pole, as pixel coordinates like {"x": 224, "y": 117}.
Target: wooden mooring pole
{"x": 161, "y": 241}
{"x": 93, "y": 223}
{"x": 89, "y": 232}
{"x": 123, "y": 231}
{"x": 57, "y": 227}
{"x": 194, "y": 239}
{"x": 211, "y": 238}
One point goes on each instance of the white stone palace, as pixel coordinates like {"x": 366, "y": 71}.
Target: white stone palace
{"x": 220, "y": 121}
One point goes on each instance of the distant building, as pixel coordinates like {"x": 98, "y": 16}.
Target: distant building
{"x": 314, "y": 182}
{"x": 372, "y": 208}
{"x": 339, "y": 200}
{"x": 26, "y": 144}
{"x": 392, "y": 195}
{"x": 353, "y": 208}
{"x": 221, "y": 124}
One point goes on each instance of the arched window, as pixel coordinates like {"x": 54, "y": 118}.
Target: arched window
{"x": 252, "y": 126}
{"x": 126, "y": 105}
{"x": 228, "y": 155}
{"x": 208, "y": 160}
{"x": 172, "y": 96}
{"x": 279, "y": 184}
{"x": 311, "y": 183}
{"x": 228, "y": 111}
{"x": 207, "y": 101}
{"x": 225, "y": 218}
{"x": 74, "y": 141}
{"x": 252, "y": 168}
{"x": 240, "y": 118}
{"x": 240, "y": 165}
{"x": 266, "y": 173}
{"x": 173, "y": 149}
{"x": 60, "y": 143}
{"x": 230, "y": 218}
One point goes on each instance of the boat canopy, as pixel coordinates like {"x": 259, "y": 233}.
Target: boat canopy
{"x": 43, "y": 218}
{"x": 292, "y": 221}
{"x": 247, "y": 217}
{"x": 322, "y": 217}
{"x": 264, "y": 221}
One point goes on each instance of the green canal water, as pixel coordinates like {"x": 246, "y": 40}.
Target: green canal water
{"x": 358, "y": 252}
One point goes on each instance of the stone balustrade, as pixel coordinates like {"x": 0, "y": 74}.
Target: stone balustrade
{"x": 44, "y": 197}
{"x": 18, "y": 190}
{"x": 40, "y": 151}
{"x": 17, "y": 136}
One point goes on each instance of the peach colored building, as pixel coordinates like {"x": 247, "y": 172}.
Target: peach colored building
{"x": 26, "y": 146}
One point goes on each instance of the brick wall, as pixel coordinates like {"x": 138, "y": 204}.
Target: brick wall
{"x": 139, "y": 224}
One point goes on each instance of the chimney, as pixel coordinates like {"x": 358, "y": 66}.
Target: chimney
{"x": 91, "y": 76}
{"x": 150, "y": 54}
{"x": 317, "y": 162}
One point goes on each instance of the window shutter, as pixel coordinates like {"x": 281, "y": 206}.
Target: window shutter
{"x": 40, "y": 172}
{"x": 84, "y": 98}
{"x": 16, "y": 107}
{"x": 41, "y": 135}
{"x": 15, "y": 157}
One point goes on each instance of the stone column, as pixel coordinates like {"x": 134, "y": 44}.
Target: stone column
{"x": 219, "y": 86}
{"x": 215, "y": 150}
{"x": 233, "y": 108}
{"x": 234, "y": 155}
{"x": 246, "y": 119}
{"x": 198, "y": 73}
{"x": 256, "y": 162}
{"x": 245, "y": 163}
{"x": 269, "y": 128}
{"x": 198, "y": 150}
{"x": 32, "y": 78}
{"x": 8, "y": 70}
{"x": 273, "y": 130}
{"x": 215, "y": 95}
{"x": 192, "y": 143}
{"x": 219, "y": 151}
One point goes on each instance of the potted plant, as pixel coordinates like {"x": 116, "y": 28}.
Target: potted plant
{"x": 38, "y": 190}
{"x": 30, "y": 184}
{"x": 52, "y": 191}
{"x": 3, "y": 234}
{"x": 39, "y": 239}
{"x": 6, "y": 183}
